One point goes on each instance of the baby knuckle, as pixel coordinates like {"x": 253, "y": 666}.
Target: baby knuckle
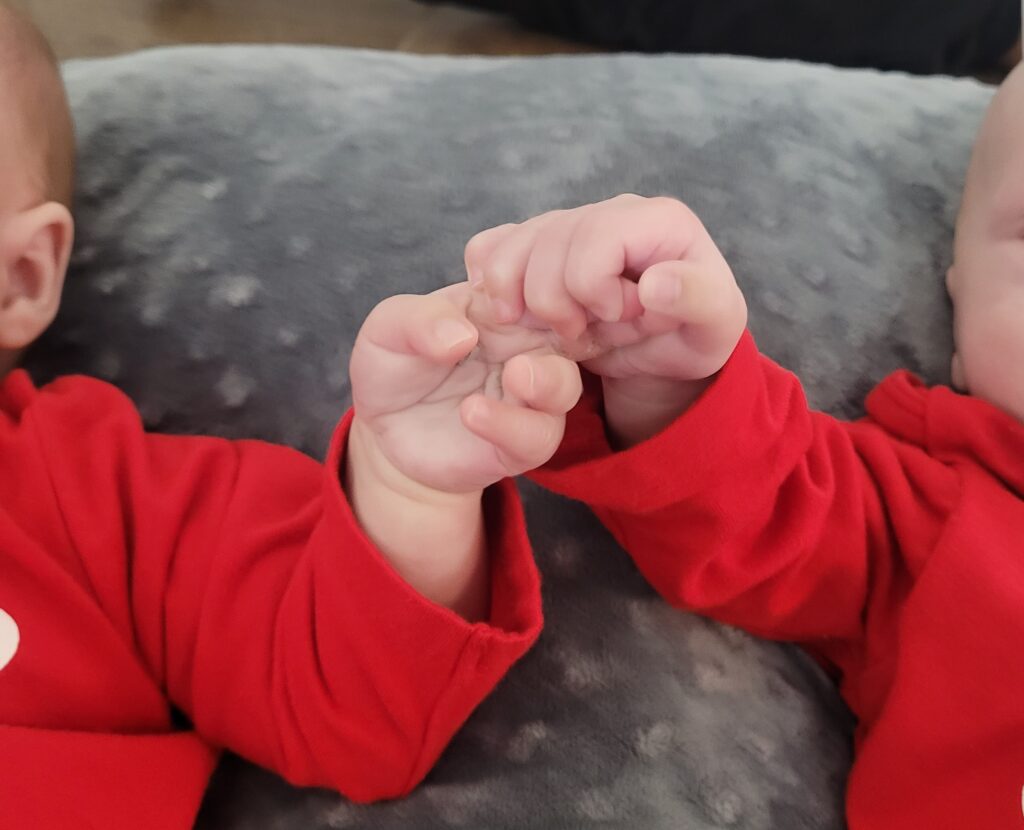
{"x": 502, "y": 271}
{"x": 582, "y": 282}
{"x": 673, "y": 208}
{"x": 480, "y": 242}
{"x": 552, "y": 217}
{"x": 476, "y": 246}
{"x": 551, "y": 308}
{"x": 626, "y": 199}
{"x": 389, "y": 307}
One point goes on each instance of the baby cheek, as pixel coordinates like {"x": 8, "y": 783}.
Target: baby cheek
{"x": 995, "y": 371}
{"x": 957, "y": 373}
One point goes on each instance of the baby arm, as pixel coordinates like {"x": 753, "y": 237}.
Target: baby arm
{"x": 698, "y": 453}
{"x": 338, "y": 641}
{"x": 428, "y": 437}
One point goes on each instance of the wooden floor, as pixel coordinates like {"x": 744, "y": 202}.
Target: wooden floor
{"x": 86, "y": 28}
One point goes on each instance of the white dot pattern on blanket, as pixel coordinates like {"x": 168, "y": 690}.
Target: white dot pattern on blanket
{"x": 215, "y": 189}
{"x": 235, "y": 387}
{"x": 335, "y": 372}
{"x": 352, "y": 272}
{"x": 112, "y": 281}
{"x": 288, "y": 337}
{"x": 526, "y": 741}
{"x": 235, "y": 290}
{"x": 457, "y": 806}
{"x": 582, "y": 672}
{"x": 299, "y": 247}
{"x": 655, "y": 741}
{"x": 597, "y": 806}
{"x": 710, "y": 677}
{"x": 567, "y": 556}
{"x": 724, "y": 808}
{"x": 154, "y": 312}
{"x": 108, "y": 365}
{"x": 813, "y": 274}
{"x": 341, "y": 816}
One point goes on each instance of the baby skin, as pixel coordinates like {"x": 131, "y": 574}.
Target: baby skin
{"x": 889, "y": 548}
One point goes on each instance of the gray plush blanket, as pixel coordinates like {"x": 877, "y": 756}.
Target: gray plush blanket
{"x": 242, "y": 209}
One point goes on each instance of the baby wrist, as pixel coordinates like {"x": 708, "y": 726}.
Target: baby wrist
{"x": 636, "y": 409}
{"x": 435, "y": 541}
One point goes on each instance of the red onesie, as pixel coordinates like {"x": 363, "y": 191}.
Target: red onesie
{"x": 892, "y": 548}
{"x": 230, "y": 581}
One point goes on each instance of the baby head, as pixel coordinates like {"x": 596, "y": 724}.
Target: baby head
{"x": 986, "y": 281}
{"x": 36, "y": 181}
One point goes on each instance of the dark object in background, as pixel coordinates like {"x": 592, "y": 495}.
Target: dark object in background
{"x": 920, "y": 36}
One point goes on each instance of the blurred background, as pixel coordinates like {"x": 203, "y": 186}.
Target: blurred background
{"x": 90, "y": 28}
{"x": 977, "y": 37}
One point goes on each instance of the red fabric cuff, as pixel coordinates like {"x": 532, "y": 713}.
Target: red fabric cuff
{"x": 515, "y": 618}
{"x": 703, "y": 447}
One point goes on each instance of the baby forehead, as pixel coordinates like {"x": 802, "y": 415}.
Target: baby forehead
{"x": 22, "y": 76}
{"x": 25, "y": 55}
{"x": 31, "y": 90}
{"x": 19, "y": 107}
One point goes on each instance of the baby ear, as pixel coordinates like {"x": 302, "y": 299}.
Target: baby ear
{"x": 35, "y": 246}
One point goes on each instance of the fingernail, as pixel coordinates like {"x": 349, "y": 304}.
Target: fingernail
{"x": 662, "y": 290}
{"x": 451, "y": 333}
{"x": 531, "y": 383}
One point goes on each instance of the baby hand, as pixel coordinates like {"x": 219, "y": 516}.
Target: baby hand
{"x": 452, "y": 401}
{"x": 640, "y": 281}
{"x": 447, "y": 402}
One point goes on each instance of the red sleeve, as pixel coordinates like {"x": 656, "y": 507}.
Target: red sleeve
{"x": 755, "y": 510}
{"x": 272, "y": 622}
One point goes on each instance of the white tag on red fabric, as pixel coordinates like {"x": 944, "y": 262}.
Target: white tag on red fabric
{"x": 9, "y": 638}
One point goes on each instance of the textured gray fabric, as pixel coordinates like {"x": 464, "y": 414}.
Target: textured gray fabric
{"x": 242, "y": 209}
